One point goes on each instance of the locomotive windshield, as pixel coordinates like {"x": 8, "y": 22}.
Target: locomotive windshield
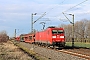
{"x": 54, "y": 31}
{"x": 60, "y": 31}
{"x": 57, "y": 31}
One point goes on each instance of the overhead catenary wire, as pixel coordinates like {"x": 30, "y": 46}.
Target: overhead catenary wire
{"x": 75, "y": 5}
{"x": 63, "y": 1}
{"x": 54, "y": 7}
{"x": 72, "y": 8}
{"x": 65, "y": 10}
{"x": 45, "y": 13}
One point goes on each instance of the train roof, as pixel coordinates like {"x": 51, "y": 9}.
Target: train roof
{"x": 52, "y": 27}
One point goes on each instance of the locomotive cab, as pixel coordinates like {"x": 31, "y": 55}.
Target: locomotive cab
{"x": 58, "y": 38}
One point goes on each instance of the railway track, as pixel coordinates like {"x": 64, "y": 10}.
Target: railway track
{"x": 72, "y": 52}
{"x": 76, "y": 54}
{"x": 82, "y": 55}
{"x": 40, "y": 50}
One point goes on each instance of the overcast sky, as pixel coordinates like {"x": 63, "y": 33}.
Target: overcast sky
{"x": 16, "y": 14}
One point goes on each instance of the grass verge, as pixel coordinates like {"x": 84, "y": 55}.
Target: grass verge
{"x": 31, "y": 53}
{"x": 78, "y": 44}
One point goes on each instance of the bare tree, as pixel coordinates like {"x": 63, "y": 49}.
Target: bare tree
{"x": 3, "y": 36}
{"x": 76, "y": 31}
{"x": 81, "y": 31}
{"x": 88, "y": 29}
{"x": 68, "y": 32}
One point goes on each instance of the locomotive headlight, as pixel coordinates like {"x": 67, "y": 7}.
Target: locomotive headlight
{"x": 53, "y": 36}
{"x": 61, "y": 36}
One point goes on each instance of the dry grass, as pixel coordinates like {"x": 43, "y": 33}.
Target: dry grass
{"x": 8, "y": 51}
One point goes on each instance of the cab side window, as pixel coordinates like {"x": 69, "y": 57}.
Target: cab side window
{"x": 30, "y": 37}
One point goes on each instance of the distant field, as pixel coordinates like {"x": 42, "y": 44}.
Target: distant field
{"x": 78, "y": 44}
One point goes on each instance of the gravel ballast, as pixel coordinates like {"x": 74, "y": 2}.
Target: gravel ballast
{"x": 50, "y": 54}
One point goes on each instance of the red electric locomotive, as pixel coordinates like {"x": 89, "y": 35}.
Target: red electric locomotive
{"x": 52, "y": 36}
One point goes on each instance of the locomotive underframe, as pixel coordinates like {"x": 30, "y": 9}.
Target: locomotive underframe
{"x": 59, "y": 44}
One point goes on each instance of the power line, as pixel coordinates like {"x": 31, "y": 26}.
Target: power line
{"x": 76, "y": 5}
{"x": 54, "y": 7}
{"x": 63, "y": 1}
